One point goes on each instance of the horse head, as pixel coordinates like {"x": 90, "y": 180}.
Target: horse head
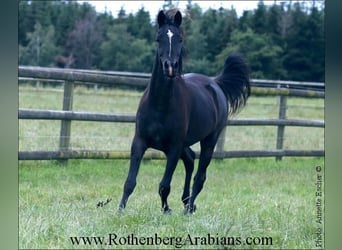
{"x": 170, "y": 43}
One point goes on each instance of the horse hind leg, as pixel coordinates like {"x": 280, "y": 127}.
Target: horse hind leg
{"x": 164, "y": 186}
{"x": 207, "y": 149}
{"x": 188, "y": 157}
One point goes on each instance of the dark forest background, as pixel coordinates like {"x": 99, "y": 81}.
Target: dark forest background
{"x": 282, "y": 41}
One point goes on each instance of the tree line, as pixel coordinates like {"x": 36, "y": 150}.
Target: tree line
{"x": 281, "y": 41}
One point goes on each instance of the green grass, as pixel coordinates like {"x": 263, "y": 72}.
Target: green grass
{"x": 241, "y": 198}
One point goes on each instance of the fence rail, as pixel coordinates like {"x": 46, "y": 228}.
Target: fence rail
{"x": 108, "y": 117}
{"x": 112, "y": 78}
{"x": 43, "y": 72}
{"x": 92, "y": 154}
{"x": 140, "y": 80}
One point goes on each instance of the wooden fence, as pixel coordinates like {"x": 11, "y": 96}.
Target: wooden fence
{"x": 140, "y": 80}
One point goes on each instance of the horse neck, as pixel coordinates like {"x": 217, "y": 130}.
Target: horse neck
{"x": 161, "y": 89}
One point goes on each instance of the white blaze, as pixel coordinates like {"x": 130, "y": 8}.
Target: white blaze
{"x": 169, "y": 34}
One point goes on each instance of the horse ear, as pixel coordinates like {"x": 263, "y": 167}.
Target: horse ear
{"x": 161, "y": 18}
{"x": 178, "y": 18}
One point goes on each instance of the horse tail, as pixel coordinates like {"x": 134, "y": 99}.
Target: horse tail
{"x": 234, "y": 81}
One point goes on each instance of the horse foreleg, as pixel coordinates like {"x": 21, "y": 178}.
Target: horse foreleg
{"x": 137, "y": 151}
{"x": 164, "y": 186}
{"x": 188, "y": 157}
{"x": 207, "y": 149}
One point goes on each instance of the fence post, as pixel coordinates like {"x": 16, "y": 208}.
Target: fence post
{"x": 220, "y": 141}
{"x": 64, "y": 139}
{"x": 37, "y": 84}
{"x": 281, "y": 128}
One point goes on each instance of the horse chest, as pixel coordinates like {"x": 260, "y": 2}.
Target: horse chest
{"x": 156, "y": 135}
{"x": 157, "y": 129}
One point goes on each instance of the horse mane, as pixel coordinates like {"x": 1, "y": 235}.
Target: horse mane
{"x": 172, "y": 12}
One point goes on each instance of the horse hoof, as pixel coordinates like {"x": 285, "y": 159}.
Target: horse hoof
{"x": 167, "y": 210}
{"x": 189, "y": 209}
{"x": 121, "y": 209}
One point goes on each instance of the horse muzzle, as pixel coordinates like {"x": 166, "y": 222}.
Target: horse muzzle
{"x": 170, "y": 69}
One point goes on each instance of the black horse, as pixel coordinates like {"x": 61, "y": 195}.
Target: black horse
{"x": 177, "y": 111}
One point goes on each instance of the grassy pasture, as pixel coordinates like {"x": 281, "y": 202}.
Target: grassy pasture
{"x": 241, "y": 198}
